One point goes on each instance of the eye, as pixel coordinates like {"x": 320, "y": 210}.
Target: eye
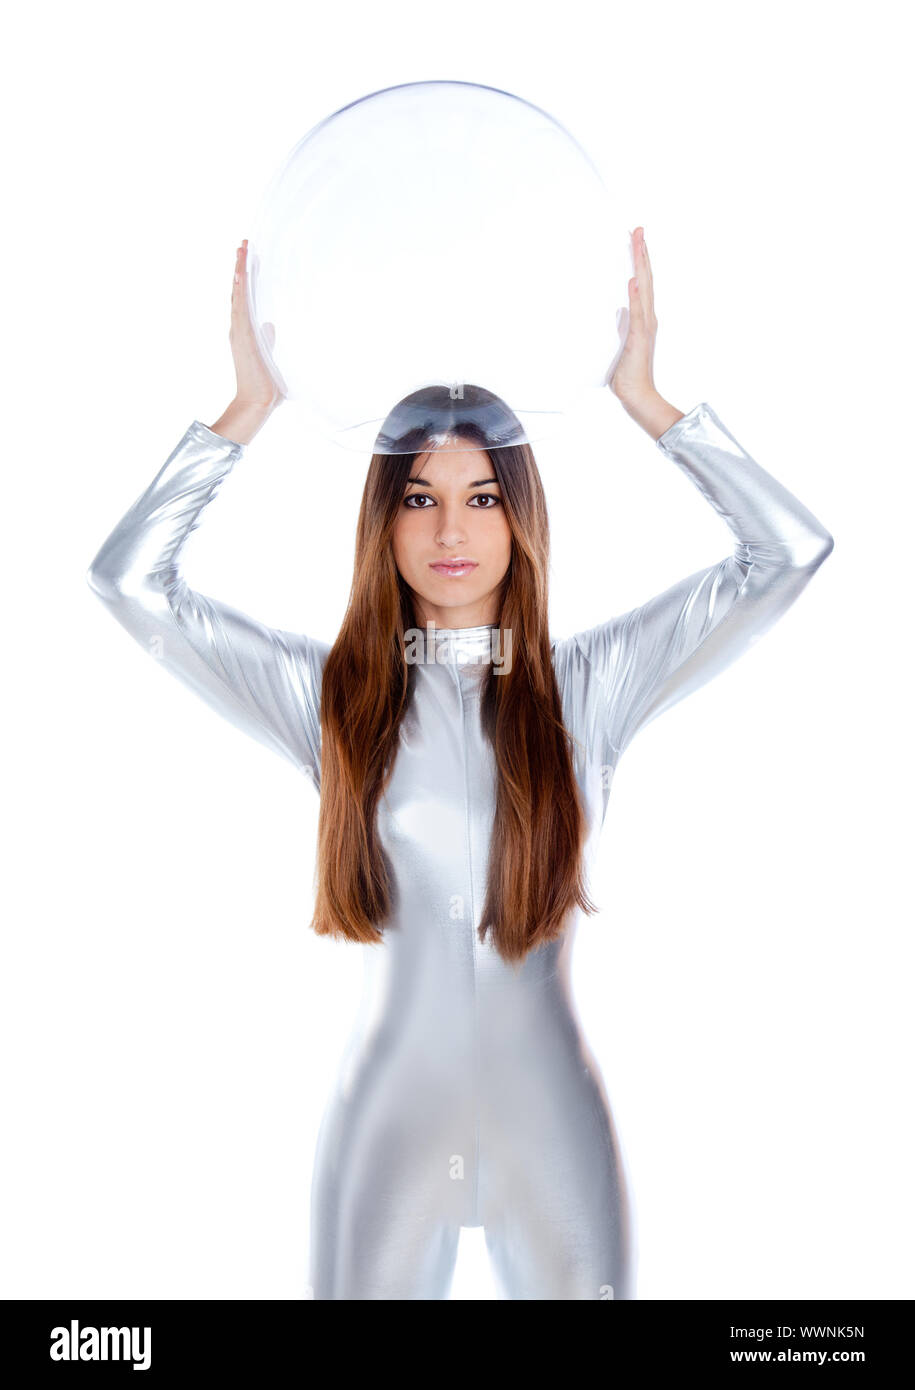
{"x": 414, "y": 498}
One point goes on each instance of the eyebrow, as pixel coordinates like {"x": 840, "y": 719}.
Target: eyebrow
{"x": 424, "y": 482}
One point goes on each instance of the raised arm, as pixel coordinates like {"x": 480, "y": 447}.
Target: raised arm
{"x": 266, "y": 682}
{"x": 640, "y": 663}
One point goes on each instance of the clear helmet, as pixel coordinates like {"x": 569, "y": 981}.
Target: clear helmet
{"x": 433, "y": 253}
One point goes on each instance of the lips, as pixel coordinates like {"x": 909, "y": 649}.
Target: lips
{"x": 454, "y": 568}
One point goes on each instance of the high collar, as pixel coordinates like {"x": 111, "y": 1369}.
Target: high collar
{"x": 455, "y": 645}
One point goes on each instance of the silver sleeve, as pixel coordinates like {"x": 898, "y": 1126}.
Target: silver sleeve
{"x": 625, "y": 672}
{"x": 265, "y": 681}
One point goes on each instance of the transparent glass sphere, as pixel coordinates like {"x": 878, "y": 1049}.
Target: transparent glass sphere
{"x": 428, "y": 239}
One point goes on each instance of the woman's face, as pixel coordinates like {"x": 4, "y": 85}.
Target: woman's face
{"x": 452, "y": 509}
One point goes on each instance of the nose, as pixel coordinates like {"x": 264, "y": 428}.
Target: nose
{"x": 452, "y": 529}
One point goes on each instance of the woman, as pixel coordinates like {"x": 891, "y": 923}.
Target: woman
{"x": 464, "y": 780}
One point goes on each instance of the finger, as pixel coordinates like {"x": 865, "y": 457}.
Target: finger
{"x": 238, "y": 283}
{"x": 641, "y": 263}
{"x": 646, "y": 280}
{"x": 636, "y": 306}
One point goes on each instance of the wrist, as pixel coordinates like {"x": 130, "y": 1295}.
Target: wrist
{"x": 652, "y": 412}
{"x": 242, "y": 419}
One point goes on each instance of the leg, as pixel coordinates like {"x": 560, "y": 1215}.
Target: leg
{"x": 389, "y": 1250}
{"x": 557, "y": 1216}
{"x": 575, "y": 1248}
{"x": 385, "y": 1213}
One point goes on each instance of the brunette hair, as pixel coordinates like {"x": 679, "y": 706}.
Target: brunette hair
{"x": 536, "y": 876}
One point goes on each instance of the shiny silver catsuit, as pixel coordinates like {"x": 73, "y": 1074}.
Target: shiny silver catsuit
{"x": 467, "y": 1096}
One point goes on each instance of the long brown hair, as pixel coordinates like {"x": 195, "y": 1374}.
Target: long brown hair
{"x": 536, "y": 875}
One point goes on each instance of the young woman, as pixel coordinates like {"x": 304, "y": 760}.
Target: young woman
{"x": 463, "y": 759}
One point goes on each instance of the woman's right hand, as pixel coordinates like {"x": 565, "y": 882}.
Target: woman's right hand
{"x": 255, "y": 385}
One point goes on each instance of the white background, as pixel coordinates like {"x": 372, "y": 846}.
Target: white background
{"x": 170, "y": 1026}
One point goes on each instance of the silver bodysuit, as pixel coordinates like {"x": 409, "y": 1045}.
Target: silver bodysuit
{"x": 467, "y": 1095}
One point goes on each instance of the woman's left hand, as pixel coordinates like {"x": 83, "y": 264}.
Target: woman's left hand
{"x": 631, "y": 375}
